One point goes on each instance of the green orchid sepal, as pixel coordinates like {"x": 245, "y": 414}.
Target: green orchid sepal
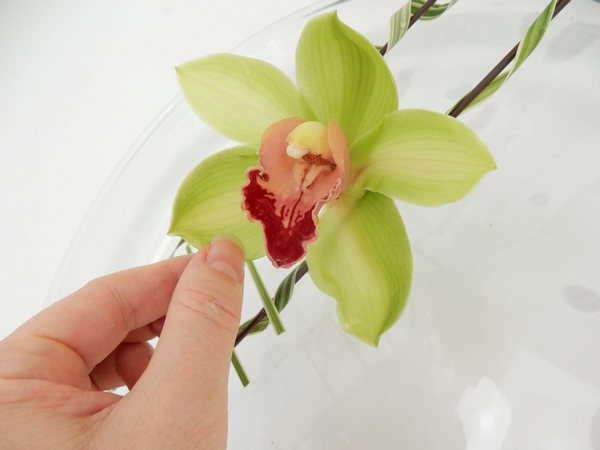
{"x": 238, "y": 96}
{"x": 343, "y": 77}
{"x": 420, "y": 157}
{"x": 364, "y": 261}
{"x": 209, "y": 198}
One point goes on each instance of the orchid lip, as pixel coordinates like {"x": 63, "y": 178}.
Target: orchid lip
{"x": 300, "y": 172}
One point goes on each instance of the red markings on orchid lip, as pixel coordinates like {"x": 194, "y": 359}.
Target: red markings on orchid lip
{"x": 284, "y": 245}
{"x": 318, "y": 160}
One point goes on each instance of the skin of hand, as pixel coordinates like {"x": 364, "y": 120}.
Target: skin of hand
{"x": 55, "y": 369}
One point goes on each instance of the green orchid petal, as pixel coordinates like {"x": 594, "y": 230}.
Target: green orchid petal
{"x": 239, "y": 97}
{"x": 420, "y": 157}
{"x": 363, "y": 260}
{"x": 343, "y": 77}
{"x": 209, "y": 200}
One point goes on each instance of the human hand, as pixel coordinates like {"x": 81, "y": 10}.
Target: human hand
{"x": 55, "y": 368}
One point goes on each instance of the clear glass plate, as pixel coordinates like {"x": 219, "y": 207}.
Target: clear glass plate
{"x": 499, "y": 347}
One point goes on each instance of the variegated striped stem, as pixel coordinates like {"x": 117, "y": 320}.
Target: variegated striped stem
{"x": 468, "y": 99}
{"x": 416, "y": 16}
{"x": 260, "y": 321}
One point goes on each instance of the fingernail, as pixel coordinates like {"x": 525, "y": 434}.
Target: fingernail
{"x": 226, "y": 254}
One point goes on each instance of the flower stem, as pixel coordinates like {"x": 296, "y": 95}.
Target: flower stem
{"x": 268, "y": 305}
{"x": 301, "y": 271}
{"x": 239, "y": 369}
{"x": 497, "y": 70}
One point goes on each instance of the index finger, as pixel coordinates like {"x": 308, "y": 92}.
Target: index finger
{"x": 64, "y": 342}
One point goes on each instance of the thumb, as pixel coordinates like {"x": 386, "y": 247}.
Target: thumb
{"x": 184, "y": 388}
{"x": 204, "y": 314}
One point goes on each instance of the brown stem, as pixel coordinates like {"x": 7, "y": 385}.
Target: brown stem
{"x": 416, "y": 16}
{"x": 497, "y": 70}
{"x": 246, "y": 331}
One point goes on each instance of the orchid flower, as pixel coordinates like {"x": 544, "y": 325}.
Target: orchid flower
{"x": 320, "y": 166}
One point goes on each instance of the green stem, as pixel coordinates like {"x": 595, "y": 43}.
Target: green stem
{"x": 268, "y": 304}
{"x": 239, "y": 369}
{"x": 254, "y": 325}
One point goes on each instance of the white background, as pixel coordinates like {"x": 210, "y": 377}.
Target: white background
{"x": 80, "y": 80}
